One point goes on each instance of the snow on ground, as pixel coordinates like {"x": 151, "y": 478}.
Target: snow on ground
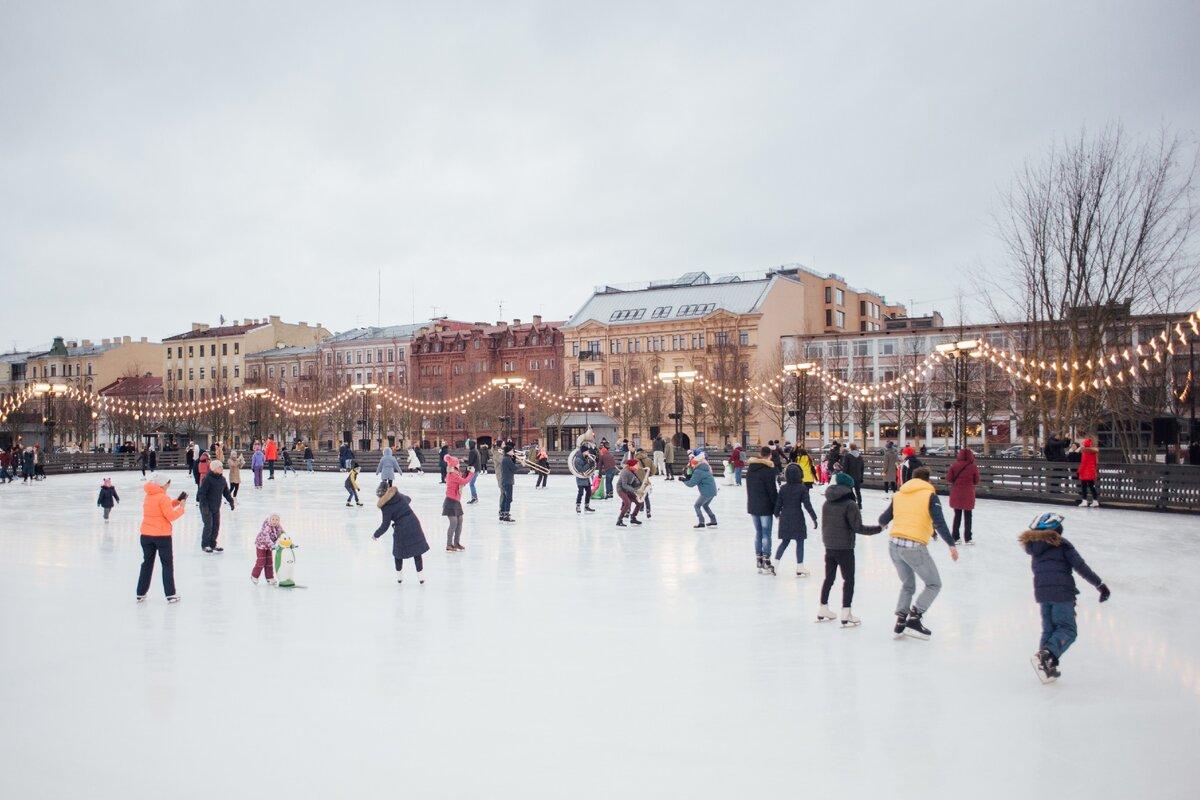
{"x": 563, "y": 657}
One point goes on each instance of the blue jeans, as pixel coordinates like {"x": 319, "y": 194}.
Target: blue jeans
{"x": 762, "y": 534}
{"x": 505, "y": 499}
{"x": 737, "y": 475}
{"x": 783, "y": 543}
{"x": 608, "y": 478}
{"x": 308, "y": 463}
{"x": 1058, "y": 627}
{"x": 471, "y": 485}
{"x": 701, "y": 507}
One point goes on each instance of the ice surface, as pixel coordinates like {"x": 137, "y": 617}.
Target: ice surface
{"x": 563, "y": 657}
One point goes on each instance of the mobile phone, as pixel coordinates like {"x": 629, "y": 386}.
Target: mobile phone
{"x": 182, "y": 496}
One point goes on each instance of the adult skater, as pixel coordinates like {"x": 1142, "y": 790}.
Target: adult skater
{"x": 144, "y": 459}
{"x": 833, "y": 457}
{"x": 442, "y": 453}
{"x": 158, "y": 512}
{"x": 212, "y": 489}
{"x": 257, "y": 460}
{"x": 808, "y": 470}
{"x": 701, "y": 478}
{"x": 543, "y": 460}
{"x": 669, "y": 459}
{"x": 1089, "y": 469}
{"x": 891, "y": 462}
{"x": 344, "y": 456}
{"x": 738, "y": 463}
{"x": 236, "y": 462}
{"x": 841, "y": 524}
{"x": 271, "y": 454}
{"x": 910, "y": 464}
{"x": 414, "y": 461}
{"x": 761, "y": 494}
{"x": 457, "y": 476}
{"x": 506, "y": 473}
{"x": 153, "y": 457}
{"x": 628, "y": 483}
{"x": 308, "y": 459}
{"x": 793, "y": 500}
{"x": 473, "y": 465}
{"x": 408, "y": 539}
{"x": 963, "y": 477}
{"x": 606, "y": 467}
{"x": 1053, "y": 561}
{"x": 660, "y": 455}
{"x": 852, "y": 465}
{"x": 388, "y": 465}
{"x": 190, "y": 455}
{"x": 914, "y": 514}
{"x": 585, "y": 462}
{"x": 287, "y": 461}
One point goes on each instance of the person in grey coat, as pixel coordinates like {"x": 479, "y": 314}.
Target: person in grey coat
{"x": 506, "y": 472}
{"x": 841, "y": 522}
{"x": 388, "y": 466}
{"x": 408, "y": 538}
{"x": 891, "y": 459}
{"x": 627, "y": 485}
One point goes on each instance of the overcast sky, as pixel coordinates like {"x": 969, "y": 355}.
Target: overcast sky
{"x": 169, "y": 162}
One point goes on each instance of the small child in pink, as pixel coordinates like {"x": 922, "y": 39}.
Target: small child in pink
{"x": 264, "y": 545}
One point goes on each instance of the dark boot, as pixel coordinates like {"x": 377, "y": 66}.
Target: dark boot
{"x": 913, "y": 626}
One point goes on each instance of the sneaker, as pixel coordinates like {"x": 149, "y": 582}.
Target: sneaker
{"x": 174, "y": 598}
{"x": 849, "y": 620}
{"x": 825, "y": 614}
{"x": 913, "y": 626}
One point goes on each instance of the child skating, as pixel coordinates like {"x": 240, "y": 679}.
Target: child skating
{"x": 790, "y": 504}
{"x": 458, "y": 476}
{"x": 108, "y": 497}
{"x": 841, "y": 523}
{"x": 1054, "y": 560}
{"x": 408, "y": 539}
{"x": 351, "y": 485}
{"x": 264, "y": 548}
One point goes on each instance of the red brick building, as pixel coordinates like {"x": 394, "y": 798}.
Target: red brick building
{"x": 449, "y": 361}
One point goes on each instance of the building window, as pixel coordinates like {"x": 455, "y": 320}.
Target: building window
{"x": 627, "y": 314}
{"x": 722, "y": 338}
{"x": 661, "y": 311}
{"x": 201, "y": 392}
{"x": 828, "y": 294}
{"x": 224, "y": 348}
{"x": 237, "y": 371}
{"x": 295, "y": 370}
{"x": 744, "y": 338}
{"x": 594, "y": 347}
{"x": 574, "y": 349}
{"x": 575, "y": 378}
{"x": 191, "y": 374}
{"x": 191, "y": 394}
{"x": 390, "y": 355}
{"x": 841, "y": 297}
{"x": 589, "y": 378}
{"x": 237, "y": 348}
{"x": 862, "y": 348}
{"x": 829, "y": 318}
{"x": 191, "y": 351}
{"x": 533, "y": 365}
{"x": 616, "y": 377}
{"x": 368, "y": 356}
{"x": 224, "y": 372}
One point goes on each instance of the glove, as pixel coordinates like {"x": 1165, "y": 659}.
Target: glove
{"x": 1104, "y": 592}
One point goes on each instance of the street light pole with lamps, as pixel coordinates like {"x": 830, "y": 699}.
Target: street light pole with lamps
{"x": 48, "y": 391}
{"x": 508, "y": 385}
{"x": 364, "y": 389}
{"x": 677, "y": 378}
{"x": 800, "y": 373}
{"x": 255, "y": 396}
{"x": 957, "y": 351}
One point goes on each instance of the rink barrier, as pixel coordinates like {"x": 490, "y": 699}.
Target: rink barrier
{"x": 1167, "y": 487}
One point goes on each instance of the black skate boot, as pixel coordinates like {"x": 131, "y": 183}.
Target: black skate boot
{"x": 901, "y": 622}
{"x": 1044, "y": 665}
{"x": 913, "y": 626}
{"x": 760, "y": 565}
{"x": 587, "y": 507}
{"x": 768, "y": 567}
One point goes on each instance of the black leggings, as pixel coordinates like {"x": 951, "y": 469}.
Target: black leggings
{"x": 783, "y": 543}
{"x": 961, "y": 515}
{"x": 416, "y": 560}
{"x": 233, "y": 489}
{"x": 1085, "y": 486}
{"x": 541, "y": 479}
{"x": 160, "y": 545}
{"x": 833, "y": 560}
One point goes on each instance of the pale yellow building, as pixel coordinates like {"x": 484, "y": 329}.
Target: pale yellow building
{"x": 210, "y": 361}
{"x": 91, "y": 365}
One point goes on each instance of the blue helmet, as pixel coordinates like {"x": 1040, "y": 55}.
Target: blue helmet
{"x": 1047, "y": 522}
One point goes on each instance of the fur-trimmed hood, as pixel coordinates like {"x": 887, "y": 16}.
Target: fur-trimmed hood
{"x": 1048, "y": 536}
{"x": 387, "y": 497}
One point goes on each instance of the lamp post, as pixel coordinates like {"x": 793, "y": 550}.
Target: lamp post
{"x": 48, "y": 391}
{"x": 255, "y": 396}
{"x": 521, "y": 422}
{"x": 363, "y": 390}
{"x": 508, "y": 385}
{"x": 800, "y": 373}
{"x": 677, "y": 378}
{"x": 957, "y": 351}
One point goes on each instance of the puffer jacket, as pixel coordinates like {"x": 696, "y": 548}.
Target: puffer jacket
{"x": 408, "y": 539}
{"x": 841, "y": 519}
{"x": 1054, "y": 560}
{"x": 761, "y": 489}
{"x": 159, "y": 511}
{"x": 702, "y": 479}
{"x": 963, "y": 477}
{"x": 267, "y": 535}
{"x": 791, "y": 504}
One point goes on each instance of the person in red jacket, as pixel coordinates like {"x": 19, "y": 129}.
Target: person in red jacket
{"x": 271, "y": 453}
{"x": 963, "y": 477}
{"x": 1089, "y": 463}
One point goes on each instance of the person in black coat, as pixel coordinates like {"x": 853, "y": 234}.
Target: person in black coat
{"x": 442, "y": 453}
{"x": 852, "y": 465}
{"x": 761, "y": 494}
{"x": 1054, "y": 560}
{"x": 793, "y": 500}
{"x": 506, "y": 472}
{"x": 108, "y": 497}
{"x": 212, "y": 489}
{"x": 408, "y": 539}
{"x": 841, "y": 523}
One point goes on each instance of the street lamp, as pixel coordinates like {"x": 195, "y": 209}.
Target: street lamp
{"x": 508, "y": 385}
{"x": 49, "y": 391}
{"x": 800, "y": 373}
{"x": 363, "y": 390}
{"x": 677, "y": 378}
{"x": 254, "y": 395}
{"x": 957, "y": 351}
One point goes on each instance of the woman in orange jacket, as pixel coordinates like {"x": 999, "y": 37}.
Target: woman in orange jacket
{"x": 158, "y": 512}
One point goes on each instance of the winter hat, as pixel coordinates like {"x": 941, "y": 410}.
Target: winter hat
{"x": 106, "y": 482}
{"x": 633, "y": 462}
{"x": 842, "y": 479}
{"x": 159, "y": 478}
{"x": 216, "y": 465}
{"x": 1087, "y": 442}
{"x": 451, "y": 461}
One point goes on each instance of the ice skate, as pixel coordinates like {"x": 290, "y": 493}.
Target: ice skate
{"x": 173, "y": 598}
{"x": 459, "y": 547}
{"x": 825, "y": 614}
{"x": 801, "y": 572}
{"x": 254, "y": 580}
{"x": 1044, "y": 666}
{"x": 578, "y": 510}
{"x": 218, "y": 549}
{"x": 347, "y": 504}
{"x": 849, "y": 620}
{"x": 699, "y": 525}
{"x": 141, "y": 598}
{"x": 450, "y": 548}
{"x": 633, "y": 521}
{"x": 588, "y": 508}
{"x": 208, "y": 549}
{"x": 760, "y": 559}
{"x": 621, "y": 523}
{"x": 913, "y": 626}
{"x": 768, "y": 567}
{"x": 272, "y": 582}
{"x": 901, "y": 621}
{"x": 712, "y": 524}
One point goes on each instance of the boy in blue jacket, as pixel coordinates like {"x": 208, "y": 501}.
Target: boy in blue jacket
{"x": 1054, "y": 562}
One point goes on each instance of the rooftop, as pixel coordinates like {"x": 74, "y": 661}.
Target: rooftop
{"x": 286, "y": 352}
{"x": 133, "y": 386}
{"x": 205, "y": 332}
{"x": 373, "y": 333}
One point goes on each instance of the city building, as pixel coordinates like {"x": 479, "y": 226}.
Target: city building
{"x": 725, "y": 329}
{"x": 114, "y": 430}
{"x": 290, "y": 371}
{"x": 87, "y": 365}
{"x": 18, "y": 423}
{"x": 451, "y": 359}
{"x": 379, "y": 355}
{"x": 206, "y": 361}
{"x": 997, "y": 410}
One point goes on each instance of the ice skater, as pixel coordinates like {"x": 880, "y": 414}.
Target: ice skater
{"x": 414, "y": 461}
{"x": 408, "y": 539}
{"x": 1089, "y": 468}
{"x": 457, "y": 476}
{"x": 351, "y": 484}
{"x": 287, "y": 462}
{"x": 236, "y": 462}
{"x": 474, "y": 463}
{"x": 158, "y": 512}
{"x": 108, "y": 497}
{"x": 257, "y": 460}
{"x": 841, "y": 524}
{"x": 264, "y": 548}
{"x": 791, "y": 503}
{"x": 628, "y": 484}
{"x": 388, "y": 467}
{"x": 761, "y": 493}
{"x": 963, "y": 477}
{"x": 584, "y": 463}
{"x": 1054, "y": 560}
{"x": 701, "y": 478}
{"x": 915, "y": 512}
{"x": 506, "y": 474}
{"x": 212, "y": 489}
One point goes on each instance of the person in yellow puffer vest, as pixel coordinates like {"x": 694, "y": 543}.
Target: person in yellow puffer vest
{"x": 915, "y": 513}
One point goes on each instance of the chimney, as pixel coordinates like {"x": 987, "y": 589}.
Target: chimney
{"x": 537, "y": 319}
{"x": 87, "y": 342}
{"x": 126, "y": 339}
{"x": 273, "y": 318}
{"x": 199, "y": 326}
{"x": 516, "y": 322}
{"x": 72, "y": 343}
{"x": 105, "y": 341}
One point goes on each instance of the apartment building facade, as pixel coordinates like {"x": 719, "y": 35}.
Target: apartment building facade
{"x": 87, "y": 365}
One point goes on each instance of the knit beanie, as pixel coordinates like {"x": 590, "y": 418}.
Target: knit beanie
{"x": 160, "y": 478}
{"x": 842, "y": 479}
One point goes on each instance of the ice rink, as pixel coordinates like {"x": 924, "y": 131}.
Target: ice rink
{"x": 564, "y": 657}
